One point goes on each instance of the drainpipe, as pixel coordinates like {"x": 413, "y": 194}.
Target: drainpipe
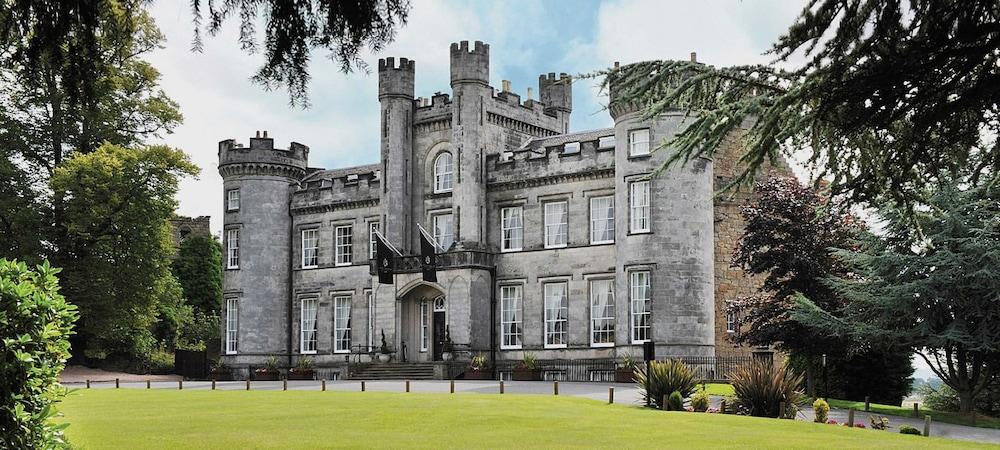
{"x": 291, "y": 290}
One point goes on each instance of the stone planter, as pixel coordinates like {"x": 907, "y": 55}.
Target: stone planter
{"x": 447, "y": 356}
{"x": 478, "y": 374}
{"x": 624, "y": 376}
{"x": 296, "y": 374}
{"x": 266, "y": 375}
{"x": 525, "y": 374}
{"x": 384, "y": 357}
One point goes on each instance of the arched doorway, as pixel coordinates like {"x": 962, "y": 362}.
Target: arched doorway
{"x": 422, "y": 321}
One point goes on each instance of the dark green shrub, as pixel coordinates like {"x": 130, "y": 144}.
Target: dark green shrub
{"x": 34, "y": 345}
{"x": 761, "y": 388}
{"x": 662, "y": 378}
{"x": 675, "y": 402}
{"x": 906, "y": 429}
{"x": 700, "y": 401}
{"x": 160, "y": 362}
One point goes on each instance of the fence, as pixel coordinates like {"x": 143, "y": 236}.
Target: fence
{"x": 708, "y": 368}
{"x": 191, "y": 364}
{"x": 713, "y": 368}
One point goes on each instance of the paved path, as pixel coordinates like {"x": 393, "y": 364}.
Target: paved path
{"x": 80, "y": 374}
{"x": 623, "y": 394}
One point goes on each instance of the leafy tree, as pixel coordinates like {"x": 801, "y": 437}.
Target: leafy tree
{"x": 935, "y": 289}
{"x": 198, "y": 267}
{"x": 790, "y": 230}
{"x": 892, "y": 94}
{"x": 37, "y": 322}
{"x": 119, "y": 244}
{"x": 293, "y": 29}
{"x": 21, "y": 213}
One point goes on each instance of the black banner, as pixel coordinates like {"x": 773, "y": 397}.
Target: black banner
{"x": 428, "y": 257}
{"x": 385, "y": 258}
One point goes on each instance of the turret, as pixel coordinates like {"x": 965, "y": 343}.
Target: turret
{"x": 470, "y": 83}
{"x": 395, "y": 94}
{"x": 257, "y": 181}
{"x": 557, "y": 95}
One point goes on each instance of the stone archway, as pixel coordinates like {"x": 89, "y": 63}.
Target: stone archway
{"x": 421, "y": 326}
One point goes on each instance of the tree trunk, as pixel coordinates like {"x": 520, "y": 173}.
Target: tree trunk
{"x": 810, "y": 379}
{"x": 966, "y": 402}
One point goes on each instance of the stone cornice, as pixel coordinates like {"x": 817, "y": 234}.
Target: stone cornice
{"x": 335, "y": 206}
{"x": 259, "y": 168}
{"x": 594, "y": 174}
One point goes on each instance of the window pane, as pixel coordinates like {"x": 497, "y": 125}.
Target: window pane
{"x": 310, "y": 248}
{"x": 372, "y": 228}
{"x": 602, "y": 312}
{"x": 639, "y": 199}
{"x": 639, "y": 142}
{"x": 232, "y": 320}
{"x": 342, "y": 324}
{"x": 640, "y": 299}
{"x": 233, "y": 199}
{"x": 344, "y": 245}
{"x": 307, "y": 325}
{"x": 606, "y": 142}
{"x": 512, "y": 228}
{"x": 443, "y": 172}
{"x": 424, "y": 323}
{"x": 444, "y": 232}
{"x": 556, "y": 224}
{"x": 602, "y": 220}
{"x": 556, "y": 314}
{"x": 232, "y": 249}
{"x": 510, "y": 316}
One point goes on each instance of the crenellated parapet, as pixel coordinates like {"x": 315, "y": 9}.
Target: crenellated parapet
{"x": 261, "y": 158}
{"x": 470, "y": 64}
{"x": 556, "y": 92}
{"x": 396, "y": 81}
{"x": 550, "y": 160}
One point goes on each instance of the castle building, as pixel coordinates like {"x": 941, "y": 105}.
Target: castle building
{"x": 555, "y": 243}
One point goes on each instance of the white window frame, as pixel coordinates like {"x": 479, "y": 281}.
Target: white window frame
{"x": 554, "y": 230}
{"x": 605, "y": 316}
{"x": 373, "y": 225}
{"x": 232, "y": 325}
{"x": 424, "y": 325}
{"x": 731, "y": 322}
{"x": 233, "y": 248}
{"x": 516, "y": 230}
{"x": 370, "y": 299}
{"x": 606, "y": 142}
{"x": 561, "y": 312}
{"x": 639, "y": 142}
{"x": 233, "y": 200}
{"x": 639, "y": 220}
{"x": 640, "y": 306}
{"x": 436, "y": 229}
{"x": 344, "y": 245}
{"x": 308, "y": 325}
{"x": 608, "y": 219}
{"x": 341, "y": 345}
{"x": 310, "y": 248}
{"x": 444, "y": 177}
{"x": 512, "y": 301}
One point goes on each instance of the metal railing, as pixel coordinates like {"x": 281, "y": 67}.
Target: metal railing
{"x": 707, "y": 368}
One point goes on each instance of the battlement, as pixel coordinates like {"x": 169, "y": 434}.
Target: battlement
{"x": 470, "y": 65}
{"x": 549, "y": 156}
{"x": 261, "y": 153}
{"x": 631, "y": 72}
{"x": 396, "y": 80}
{"x": 556, "y": 92}
{"x": 338, "y": 185}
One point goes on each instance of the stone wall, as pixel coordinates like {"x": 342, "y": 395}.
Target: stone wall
{"x": 184, "y": 227}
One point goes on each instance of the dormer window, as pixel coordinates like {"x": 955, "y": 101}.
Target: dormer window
{"x": 444, "y": 170}
{"x": 571, "y": 148}
{"x": 606, "y": 142}
{"x": 352, "y": 178}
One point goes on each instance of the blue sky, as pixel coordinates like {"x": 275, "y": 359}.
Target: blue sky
{"x": 526, "y": 38}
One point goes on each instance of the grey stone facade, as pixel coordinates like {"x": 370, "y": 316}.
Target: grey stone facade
{"x": 505, "y": 153}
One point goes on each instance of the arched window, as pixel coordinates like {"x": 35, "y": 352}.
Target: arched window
{"x": 444, "y": 170}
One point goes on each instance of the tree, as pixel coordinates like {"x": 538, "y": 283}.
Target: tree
{"x": 789, "y": 232}
{"x": 37, "y": 322}
{"x": 198, "y": 267}
{"x": 21, "y": 214}
{"x": 935, "y": 289}
{"x": 293, "y": 29}
{"x": 118, "y": 243}
{"x": 892, "y": 95}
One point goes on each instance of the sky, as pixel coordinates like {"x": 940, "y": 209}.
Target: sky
{"x": 526, "y": 38}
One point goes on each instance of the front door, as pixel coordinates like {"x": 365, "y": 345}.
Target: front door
{"x": 438, "y": 334}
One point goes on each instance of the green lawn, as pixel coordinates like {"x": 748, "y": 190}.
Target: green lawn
{"x": 128, "y": 418}
{"x": 939, "y": 416}
{"x": 720, "y": 389}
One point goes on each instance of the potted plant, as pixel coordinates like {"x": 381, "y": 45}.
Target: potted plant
{"x": 446, "y": 347}
{"x": 478, "y": 370}
{"x": 269, "y": 372}
{"x": 303, "y": 370}
{"x": 219, "y": 371}
{"x": 625, "y": 373}
{"x": 383, "y": 352}
{"x": 527, "y": 369}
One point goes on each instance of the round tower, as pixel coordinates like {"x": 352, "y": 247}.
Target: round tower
{"x": 395, "y": 95}
{"x": 668, "y": 218}
{"x": 257, "y": 182}
{"x": 557, "y": 95}
{"x": 470, "y": 84}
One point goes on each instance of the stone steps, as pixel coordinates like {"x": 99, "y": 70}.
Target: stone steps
{"x": 394, "y": 371}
